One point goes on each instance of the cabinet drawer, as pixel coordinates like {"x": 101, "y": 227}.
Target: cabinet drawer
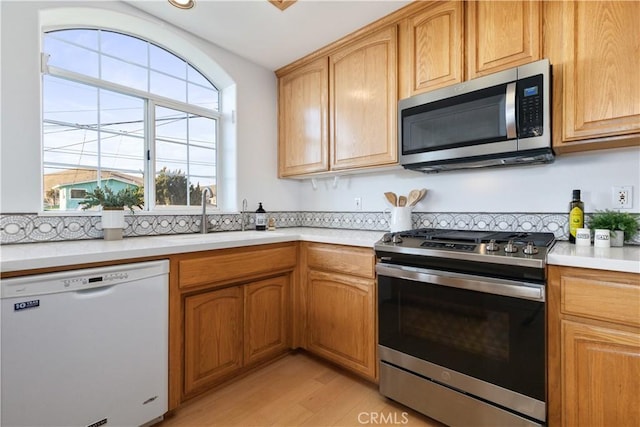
{"x": 226, "y": 265}
{"x": 614, "y": 301}
{"x": 341, "y": 259}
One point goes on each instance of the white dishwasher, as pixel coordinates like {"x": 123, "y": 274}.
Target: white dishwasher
{"x": 85, "y": 347}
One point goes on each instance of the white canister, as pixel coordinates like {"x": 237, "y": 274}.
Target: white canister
{"x": 601, "y": 238}
{"x": 399, "y": 218}
{"x": 583, "y": 237}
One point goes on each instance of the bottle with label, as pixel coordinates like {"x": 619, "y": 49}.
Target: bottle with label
{"x": 261, "y": 218}
{"x": 576, "y": 215}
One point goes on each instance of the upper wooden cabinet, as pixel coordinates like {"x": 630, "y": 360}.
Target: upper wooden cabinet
{"x": 593, "y": 47}
{"x": 303, "y": 121}
{"x": 363, "y": 98}
{"x": 432, "y": 48}
{"x": 502, "y": 34}
{"x": 338, "y": 112}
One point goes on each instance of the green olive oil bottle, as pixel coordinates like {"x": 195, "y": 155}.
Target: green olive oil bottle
{"x": 576, "y": 215}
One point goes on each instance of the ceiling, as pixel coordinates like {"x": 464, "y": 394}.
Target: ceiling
{"x": 262, "y": 33}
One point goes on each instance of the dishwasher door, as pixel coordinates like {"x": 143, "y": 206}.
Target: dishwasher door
{"x": 85, "y": 347}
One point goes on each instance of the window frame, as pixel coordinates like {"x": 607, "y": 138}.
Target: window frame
{"x": 151, "y": 101}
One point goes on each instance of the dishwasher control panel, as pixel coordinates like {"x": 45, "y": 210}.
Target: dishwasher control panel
{"x": 81, "y": 280}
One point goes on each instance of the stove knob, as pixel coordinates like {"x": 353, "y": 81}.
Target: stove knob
{"x": 530, "y": 249}
{"x": 492, "y": 246}
{"x": 397, "y": 239}
{"x": 387, "y": 237}
{"x": 510, "y": 248}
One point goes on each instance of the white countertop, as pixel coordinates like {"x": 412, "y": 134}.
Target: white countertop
{"x": 626, "y": 258}
{"x": 30, "y": 256}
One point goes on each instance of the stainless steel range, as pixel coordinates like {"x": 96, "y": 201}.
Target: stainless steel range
{"x": 461, "y": 319}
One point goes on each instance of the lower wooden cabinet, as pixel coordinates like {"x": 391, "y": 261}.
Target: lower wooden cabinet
{"x": 339, "y": 305}
{"x": 266, "y": 319}
{"x": 594, "y": 347}
{"x": 341, "y": 319}
{"x": 226, "y": 318}
{"x": 213, "y": 336}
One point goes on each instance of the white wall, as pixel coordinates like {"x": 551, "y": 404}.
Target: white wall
{"x": 544, "y": 188}
{"x": 535, "y": 188}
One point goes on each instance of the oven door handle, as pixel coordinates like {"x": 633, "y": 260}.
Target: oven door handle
{"x": 509, "y": 288}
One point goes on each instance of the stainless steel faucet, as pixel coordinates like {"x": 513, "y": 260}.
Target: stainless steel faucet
{"x": 242, "y": 212}
{"x": 203, "y": 222}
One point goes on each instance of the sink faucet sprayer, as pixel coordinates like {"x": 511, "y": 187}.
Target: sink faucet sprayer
{"x": 203, "y": 221}
{"x": 242, "y": 212}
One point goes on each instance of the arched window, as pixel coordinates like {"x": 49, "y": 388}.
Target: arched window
{"x": 120, "y": 111}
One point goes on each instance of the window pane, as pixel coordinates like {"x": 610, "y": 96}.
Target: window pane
{"x": 206, "y": 98}
{"x": 123, "y": 73}
{"x": 122, "y": 152}
{"x": 202, "y": 131}
{"x": 195, "y": 76}
{"x": 171, "y": 124}
{"x": 69, "y": 102}
{"x": 58, "y": 183}
{"x": 167, "y": 62}
{"x": 185, "y": 157}
{"x": 201, "y": 161}
{"x": 78, "y": 193}
{"x": 121, "y": 113}
{"x": 68, "y": 145}
{"x": 169, "y": 87}
{"x": 124, "y": 47}
{"x": 73, "y": 58}
{"x": 86, "y": 38}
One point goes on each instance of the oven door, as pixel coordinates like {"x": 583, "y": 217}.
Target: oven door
{"x": 480, "y": 335}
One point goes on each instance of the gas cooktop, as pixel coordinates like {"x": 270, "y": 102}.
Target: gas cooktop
{"x": 499, "y": 247}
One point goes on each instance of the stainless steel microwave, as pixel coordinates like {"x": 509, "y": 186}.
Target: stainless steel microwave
{"x": 497, "y": 120}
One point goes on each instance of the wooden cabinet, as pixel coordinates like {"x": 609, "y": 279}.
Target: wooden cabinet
{"x": 213, "y": 336}
{"x": 363, "y": 99}
{"x": 340, "y": 298}
{"x": 593, "y": 47}
{"x": 502, "y": 34}
{"x": 266, "y": 319}
{"x": 432, "y": 48}
{"x": 594, "y": 347}
{"x": 303, "y": 120}
{"x": 338, "y": 112}
{"x": 229, "y": 310}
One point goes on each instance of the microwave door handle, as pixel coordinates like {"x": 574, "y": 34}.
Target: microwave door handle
{"x": 510, "y": 110}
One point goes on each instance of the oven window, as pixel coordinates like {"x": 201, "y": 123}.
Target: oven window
{"x": 494, "y": 338}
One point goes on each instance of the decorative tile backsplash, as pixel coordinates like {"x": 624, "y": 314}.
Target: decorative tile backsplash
{"x": 28, "y": 228}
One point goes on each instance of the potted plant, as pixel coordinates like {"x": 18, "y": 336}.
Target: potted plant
{"x": 113, "y": 207}
{"x": 623, "y": 225}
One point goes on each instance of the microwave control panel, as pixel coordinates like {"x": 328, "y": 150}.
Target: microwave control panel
{"x": 530, "y": 104}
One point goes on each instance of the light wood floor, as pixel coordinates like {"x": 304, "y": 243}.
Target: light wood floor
{"x": 297, "y": 390}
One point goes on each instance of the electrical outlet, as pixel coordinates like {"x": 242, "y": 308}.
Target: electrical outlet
{"x": 358, "y": 203}
{"x": 622, "y": 197}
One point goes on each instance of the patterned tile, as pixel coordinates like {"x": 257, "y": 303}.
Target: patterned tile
{"x": 28, "y": 228}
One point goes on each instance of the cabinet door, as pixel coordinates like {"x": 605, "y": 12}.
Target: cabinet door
{"x": 363, "y": 97}
{"x": 601, "y": 86}
{"x": 303, "y": 121}
{"x": 502, "y": 34}
{"x": 601, "y": 376}
{"x": 213, "y": 337}
{"x": 341, "y": 320}
{"x": 266, "y": 319}
{"x": 432, "y": 54}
